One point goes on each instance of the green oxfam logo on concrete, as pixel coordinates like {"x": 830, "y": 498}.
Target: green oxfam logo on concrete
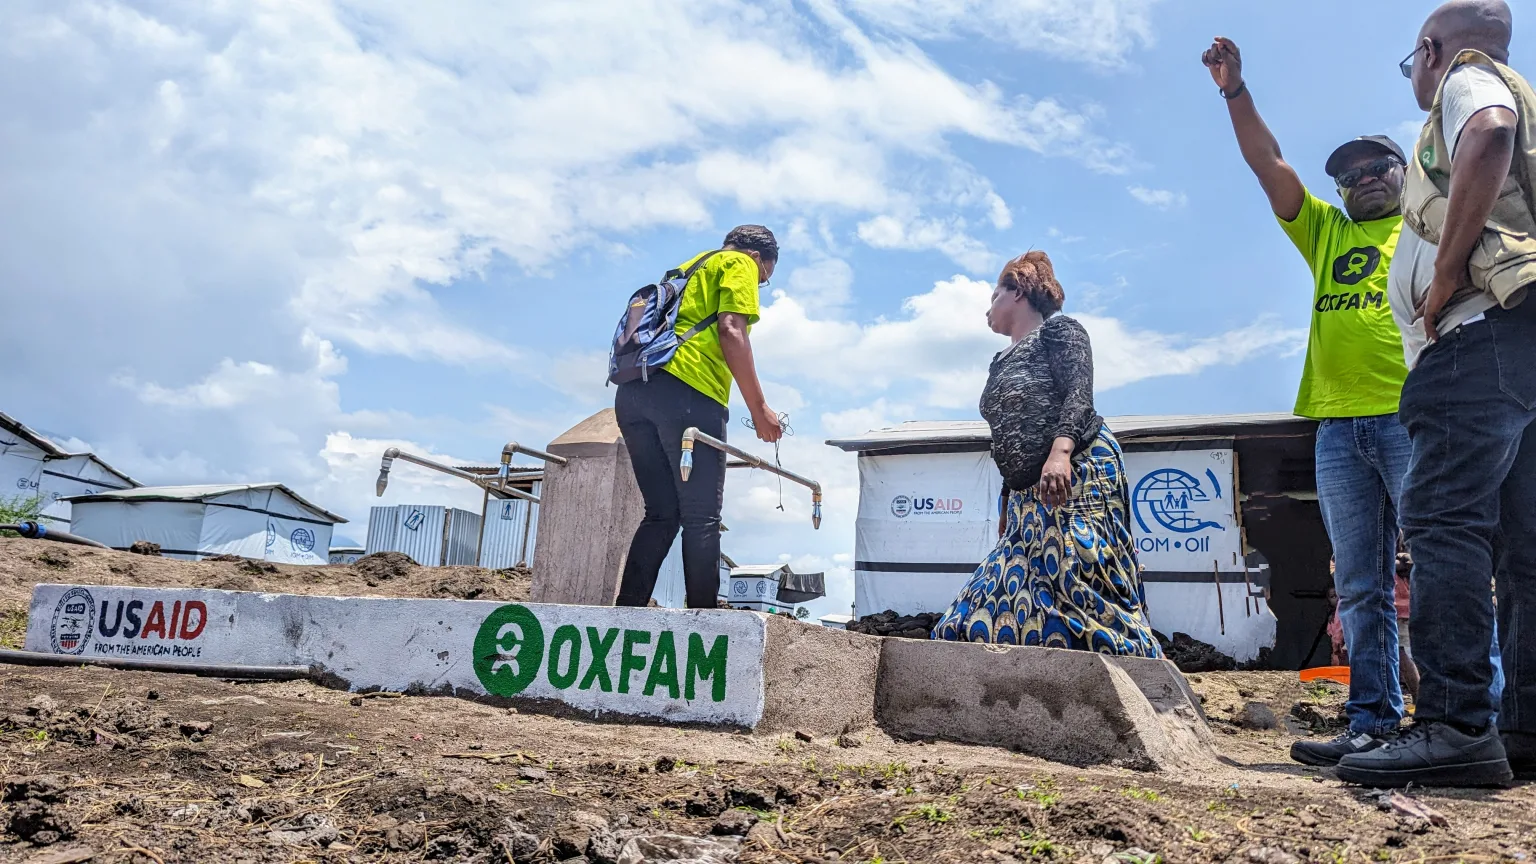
{"x": 511, "y": 654}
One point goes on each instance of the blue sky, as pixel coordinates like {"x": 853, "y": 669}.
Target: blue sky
{"x": 264, "y": 241}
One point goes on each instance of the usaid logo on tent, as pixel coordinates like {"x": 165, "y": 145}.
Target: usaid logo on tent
{"x": 903, "y": 506}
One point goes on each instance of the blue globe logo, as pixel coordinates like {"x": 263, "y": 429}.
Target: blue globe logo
{"x": 1170, "y": 496}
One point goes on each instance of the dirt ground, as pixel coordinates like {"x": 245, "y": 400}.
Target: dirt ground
{"x": 161, "y": 769}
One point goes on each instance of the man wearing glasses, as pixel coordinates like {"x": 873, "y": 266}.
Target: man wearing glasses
{"x": 1458, "y": 290}
{"x": 1351, "y": 381}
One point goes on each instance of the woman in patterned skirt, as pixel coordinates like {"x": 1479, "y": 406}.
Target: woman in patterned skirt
{"x": 1064, "y": 572}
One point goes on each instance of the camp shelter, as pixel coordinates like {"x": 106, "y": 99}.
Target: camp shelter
{"x": 266, "y": 521}
{"x": 34, "y": 465}
{"x": 771, "y": 588}
{"x": 1217, "y": 500}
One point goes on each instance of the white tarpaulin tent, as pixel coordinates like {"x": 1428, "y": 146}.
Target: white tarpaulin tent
{"x": 260, "y": 520}
{"x": 928, "y": 509}
{"x": 32, "y": 465}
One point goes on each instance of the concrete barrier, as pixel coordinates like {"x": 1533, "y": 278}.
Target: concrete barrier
{"x": 1066, "y": 706}
{"x": 720, "y": 668}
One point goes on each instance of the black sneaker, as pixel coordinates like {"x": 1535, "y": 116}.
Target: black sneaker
{"x": 1431, "y": 754}
{"x": 1520, "y": 749}
{"x": 1326, "y": 754}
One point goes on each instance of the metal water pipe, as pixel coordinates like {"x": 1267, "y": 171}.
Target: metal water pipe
{"x": 496, "y": 483}
{"x": 692, "y": 435}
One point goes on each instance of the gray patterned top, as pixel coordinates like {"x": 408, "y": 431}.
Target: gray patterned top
{"x": 1037, "y": 391}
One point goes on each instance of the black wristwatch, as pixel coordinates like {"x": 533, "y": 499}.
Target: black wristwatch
{"x": 1241, "y": 89}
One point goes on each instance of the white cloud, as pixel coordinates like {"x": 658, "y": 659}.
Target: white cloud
{"x": 1161, "y": 199}
{"x": 1097, "y": 32}
{"x": 946, "y": 236}
{"x": 943, "y": 343}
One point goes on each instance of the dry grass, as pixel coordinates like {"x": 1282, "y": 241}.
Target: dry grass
{"x": 13, "y": 627}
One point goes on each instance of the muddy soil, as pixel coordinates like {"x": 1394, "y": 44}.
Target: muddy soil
{"x": 163, "y": 769}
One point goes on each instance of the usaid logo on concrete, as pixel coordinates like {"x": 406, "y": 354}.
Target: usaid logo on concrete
{"x": 512, "y": 655}
{"x": 72, "y": 619}
{"x": 901, "y": 506}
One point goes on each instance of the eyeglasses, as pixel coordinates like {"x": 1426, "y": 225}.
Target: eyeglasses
{"x": 1377, "y": 168}
{"x": 1406, "y": 67}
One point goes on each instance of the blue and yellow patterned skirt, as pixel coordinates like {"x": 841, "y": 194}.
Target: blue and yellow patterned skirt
{"x": 1062, "y": 578}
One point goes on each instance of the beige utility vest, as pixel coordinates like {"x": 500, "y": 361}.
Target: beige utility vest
{"x": 1503, "y": 262}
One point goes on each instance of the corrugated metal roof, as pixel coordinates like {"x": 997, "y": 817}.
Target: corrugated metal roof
{"x": 1128, "y": 428}
{"x": 199, "y": 493}
{"x": 50, "y": 449}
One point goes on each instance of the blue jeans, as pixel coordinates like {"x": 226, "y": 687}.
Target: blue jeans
{"x": 1469, "y": 512}
{"x": 1361, "y": 462}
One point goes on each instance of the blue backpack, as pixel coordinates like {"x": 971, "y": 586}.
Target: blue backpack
{"x": 647, "y": 336}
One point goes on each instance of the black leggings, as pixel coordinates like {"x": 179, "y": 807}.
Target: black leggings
{"x": 652, "y": 416}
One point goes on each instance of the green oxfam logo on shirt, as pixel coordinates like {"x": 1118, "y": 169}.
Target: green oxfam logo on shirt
{"x": 512, "y": 653}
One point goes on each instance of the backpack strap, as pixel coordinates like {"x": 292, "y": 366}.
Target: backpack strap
{"x": 685, "y": 275}
{"x": 708, "y": 320}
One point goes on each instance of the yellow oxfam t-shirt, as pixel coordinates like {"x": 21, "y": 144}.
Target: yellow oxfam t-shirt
{"x": 1354, "y": 364}
{"x": 726, "y": 283}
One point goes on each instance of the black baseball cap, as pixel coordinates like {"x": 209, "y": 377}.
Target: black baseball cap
{"x": 1378, "y": 144}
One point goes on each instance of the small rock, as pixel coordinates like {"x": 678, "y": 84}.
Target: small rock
{"x": 735, "y": 823}
{"x": 575, "y": 832}
{"x": 1307, "y": 820}
{"x": 144, "y": 547}
{"x": 42, "y": 707}
{"x": 511, "y": 710}
{"x": 706, "y": 802}
{"x": 1133, "y": 855}
{"x": 517, "y": 845}
{"x": 532, "y": 774}
{"x": 670, "y": 848}
{"x": 356, "y": 701}
{"x": 1257, "y": 716}
{"x": 803, "y": 736}
{"x": 287, "y": 763}
{"x": 749, "y": 798}
{"x": 196, "y": 727}
{"x": 847, "y": 741}
{"x": 764, "y": 835}
{"x": 1271, "y": 855}
{"x": 1245, "y": 692}
{"x": 152, "y": 695}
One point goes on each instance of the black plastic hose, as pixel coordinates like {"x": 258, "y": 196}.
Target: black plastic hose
{"x": 38, "y": 531}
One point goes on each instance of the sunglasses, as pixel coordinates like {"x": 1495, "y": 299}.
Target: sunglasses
{"x": 1378, "y": 168}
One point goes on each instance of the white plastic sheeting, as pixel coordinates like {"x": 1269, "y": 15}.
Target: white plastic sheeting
{"x": 265, "y": 522}
{"x": 925, "y": 521}
{"x": 1184, "y": 506}
{"x": 27, "y": 470}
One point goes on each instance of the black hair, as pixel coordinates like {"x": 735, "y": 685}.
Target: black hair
{"x": 754, "y": 238}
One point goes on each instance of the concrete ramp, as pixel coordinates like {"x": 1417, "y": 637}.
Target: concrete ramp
{"x": 1065, "y": 706}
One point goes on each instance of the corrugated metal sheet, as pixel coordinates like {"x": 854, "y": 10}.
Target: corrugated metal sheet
{"x": 461, "y": 536}
{"x": 430, "y": 534}
{"x": 507, "y": 537}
